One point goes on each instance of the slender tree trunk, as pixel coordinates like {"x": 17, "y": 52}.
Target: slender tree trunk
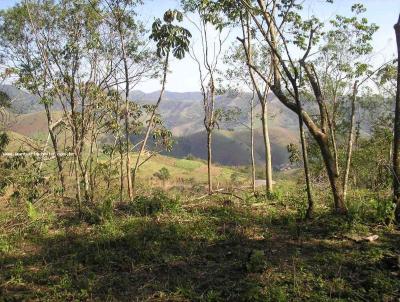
{"x": 55, "y": 148}
{"x": 127, "y": 143}
{"x": 110, "y": 165}
{"x": 109, "y": 170}
{"x": 246, "y": 41}
{"x": 310, "y": 208}
{"x": 77, "y": 184}
{"x": 150, "y": 125}
{"x": 350, "y": 141}
{"x": 253, "y": 166}
{"x": 126, "y": 114}
{"x": 128, "y": 156}
{"x": 396, "y": 140}
{"x": 121, "y": 174}
{"x": 267, "y": 147}
{"x": 333, "y": 175}
{"x": 209, "y": 161}
{"x": 332, "y": 130}
{"x": 92, "y": 173}
{"x": 84, "y": 174}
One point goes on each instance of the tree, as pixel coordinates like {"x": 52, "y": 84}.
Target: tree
{"x": 236, "y": 78}
{"x": 282, "y": 29}
{"x": 163, "y": 175}
{"x": 138, "y": 63}
{"x": 243, "y": 56}
{"x": 68, "y": 53}
{"x": 396, "y": 141}
{"x": 5, "y": 103}
{"x": 21, "y": 48}
{"x": 207, "y": 62}
{"x": 170, "y": 39}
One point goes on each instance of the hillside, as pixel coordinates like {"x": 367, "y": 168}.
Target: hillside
{"x": 183, "y": 112}
{"x": 19, "y": 142}
{"x": 233, "y": 147}
{"x": 183, "y": 115}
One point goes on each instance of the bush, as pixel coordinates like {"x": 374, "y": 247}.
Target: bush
{"x": 97, "y": 214}
{"x": 158, "y": 202}
{"x": 385, "y": 210}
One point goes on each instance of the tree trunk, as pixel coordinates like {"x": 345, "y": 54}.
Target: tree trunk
{"x": 55, "y": 148}
{"x": 127, "y": 88}
{"x": 246, "y": 41}
{"x": 332, "y": 130}
{"x": 209, "y": 161}
{"x": 253, "y": 167}
{"x": 121, "y": 172}
{"x": 267, "y": 146}
{"x": 77, "y": 184}
{"x": 350, "y": 141}
{"x": 310, "y": 208}
{"x": 396, "y": 139}
{"x": 128, "y": 156}
{"x": 333, "y": 175}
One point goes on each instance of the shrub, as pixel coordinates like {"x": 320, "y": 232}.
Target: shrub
{"x": 163, "y": 175}
{"x": 256, "y": 261}
{"x": 385, "y": 210}
{"x": 158, "y": 202}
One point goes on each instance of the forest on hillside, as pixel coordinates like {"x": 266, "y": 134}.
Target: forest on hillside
{"x": 278, "y": 181}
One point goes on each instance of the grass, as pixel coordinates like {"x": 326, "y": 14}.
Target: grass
{"x": 195, "y": 250}
{"x": 189, "y": 165}
{"x": 184, "y": 169}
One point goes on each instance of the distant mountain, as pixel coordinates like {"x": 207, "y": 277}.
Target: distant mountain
{"x": 141, "y": 96}
{"x": 183, "y": 112}
{"x": 183, "y": 115}
{"x": 21, "y": 101}
{"x": 233, "y": 147}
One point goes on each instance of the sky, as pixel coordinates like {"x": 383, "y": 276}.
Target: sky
{"x": 184, "y": 76}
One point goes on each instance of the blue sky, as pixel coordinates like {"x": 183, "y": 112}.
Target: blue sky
{"x": 184, "y": 77}
{"x": 384, "y": 13}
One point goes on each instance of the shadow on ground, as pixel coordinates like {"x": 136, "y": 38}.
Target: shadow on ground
{"x": 212, "y": 253}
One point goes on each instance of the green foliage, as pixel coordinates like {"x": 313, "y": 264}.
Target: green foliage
{"x": 107, "y": 209}
{"x": 294, "y": 153}
{"x": 31, "y": 211}
{"x": 163, "y": 174}
{"x": 252, "y": 291}
{"x": 366, "y": 207}
{"x": 277, "y": 294}
{"x": 170, "y": 37}
{"x": 5, "y": 101}
{"x": 4, "y": 141}
{"x": 158, "y": 202}
{"x": 235, "y": 178}
{"x": 5, "y": 245}
{"x": 256, "y": 261}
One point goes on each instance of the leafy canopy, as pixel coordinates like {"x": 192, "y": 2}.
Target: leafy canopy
{"x": 169, "y": 36}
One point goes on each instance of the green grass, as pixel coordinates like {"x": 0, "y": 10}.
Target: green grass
{"x": 164, "y": 247}
{"x": 188, "y": 165}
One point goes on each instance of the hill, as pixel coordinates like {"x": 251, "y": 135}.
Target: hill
{"x": 183, "y": 112}
{"x": 233, "y": 147}
{"x": 183, "y": 115}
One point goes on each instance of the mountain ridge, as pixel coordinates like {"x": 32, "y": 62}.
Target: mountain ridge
{"x": 182, "y": 113}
